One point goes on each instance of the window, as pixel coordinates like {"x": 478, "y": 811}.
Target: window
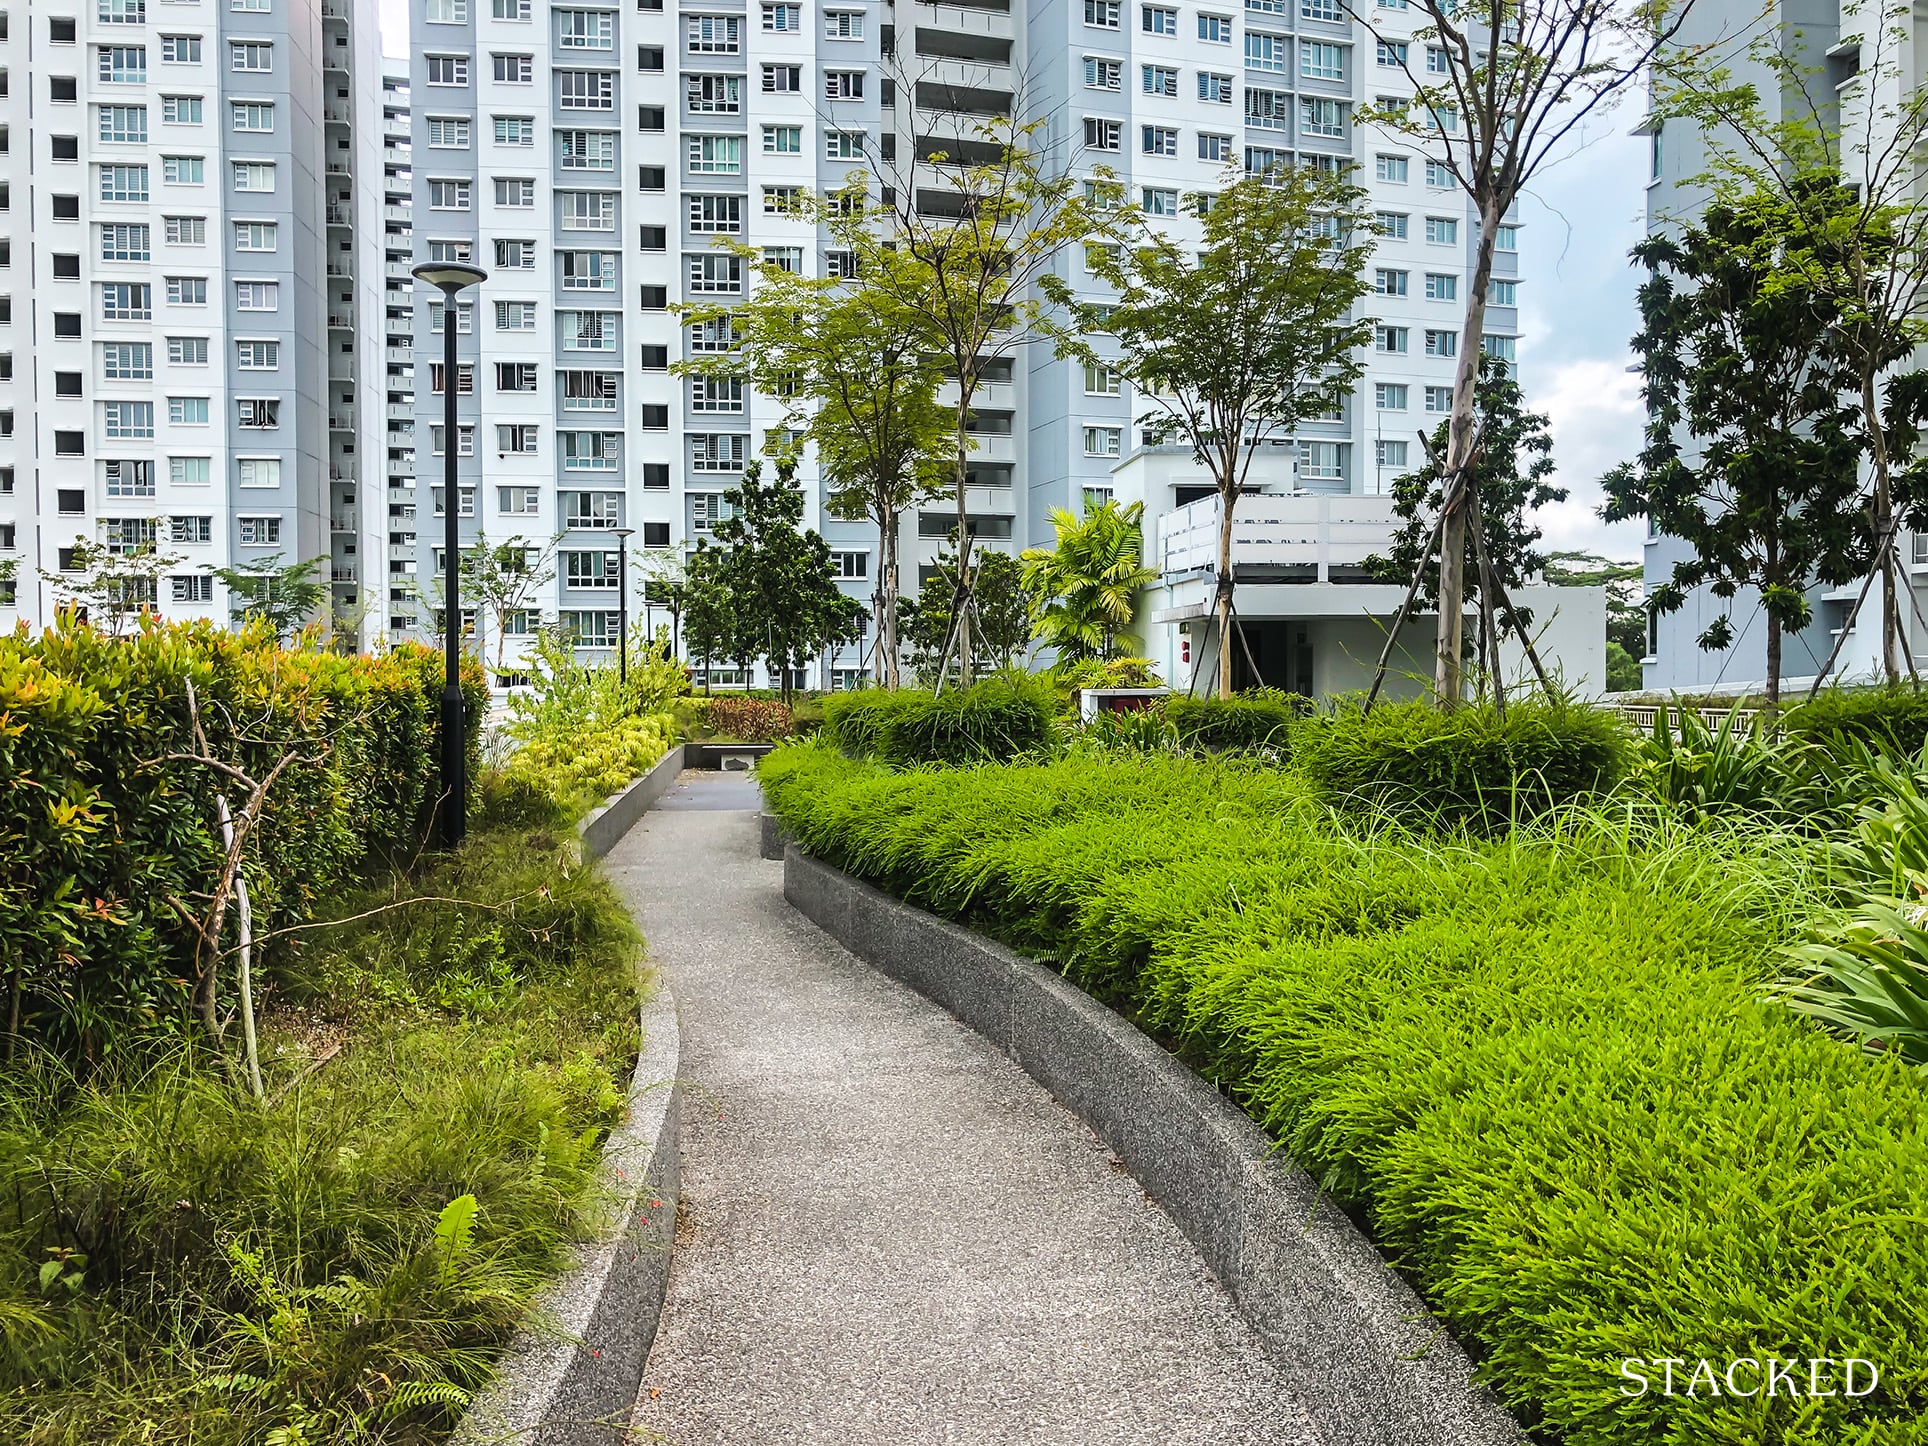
{"x": 255, "y": 176}
{"x": 515, "y": 316}
{"x": 1259, "y": 160}
{"x": 587, "y": 270}
{"x": 1101, "y": 380}
{"x": 1156, "y": 202}
{"x": 252, "y": 117}
{"x": 716, "y": 155}
{"x": 1264, "y": 52}
{"x": 1215, "y": 88}
{"x": 1506, "y": 293}
{"x": 257, "y": 295}
{"x": 257, "y": 356}
{"x": 189, "y": 471}
{"x": 716, "y": 273}
{"x": 1322, "y": 117}
{"x": 715, "y": 94}
{"x": 123, "y": 183}
{"x": 1389, "y": 339}
{"x": 718, "y": 451}
{"x": 1327, "y": 10}
{"x": 517, "y": 437}
{"x": 1388, "y": 282}
{"x": 127, "y": 361}
{"x": 716, "y": 214}
{"x": 519, "y": 501}
{"x": 124, "y": 243}
{"x": 448, "y": 133}
{"x": 1158, "y": 80}
{"x": 783, "y": 19}
{"x": 1442, "y": 230}
{"x": 779, "y": 199}
{"x": 515, "y": 376}
{"x": 1391, "y": 224}
{"x": 515, "y": 255}
{"x": 447, "y": 12}
{"x": 1389, "y": 396}
{"x": 127, "y": 479}
{"x": 512, "y": 69}
{"x": 464, "y": 447}
{"x": 590, "y": 451}
{"x": 1322, "y": 460}
{"x": 588, "y": 150}
{"x": 518, "y": 193}
{"x": 585, "y": 30}
{"x": 187, "y": 411}
{"x": 120, "y": 123}
{"x": 128, "y": 419}
{"x": 1103, "y": 441}
{"x": 588, "y": 210}
{"x": 1157, "y": 20}
{"x": 1438, "y": 62}
{"x": 1390, "y": 453}
{"x": 1504, "y": 348}
{"x": 586, "y": 89}
{"x": 1439, "y": 399}
{"x": 448, "y": 195}
{"x": 843, "y": 145}
{"x": 586, "y": 330}
{"x": 720, "y": 34}
{"x": 510, "y": 9}
{"x": 260, "y": 531}
{"x": 120, "y": 12}
{"x": 1102, "y": 135}
{"x": 191, "y": 529}
{"x": 1440, "y": 342}
{"x": 187, "y": 351}
{"x": 254, "y": 236}
{"x": 1440, "y": 175}
{"x": 259, "y": 414}
{"x": 843, "y": 85}
{"x": 843, "y": 25}
{"x": 126, "y": 535}
{"x": 1101, "y": 14}
{"x": 258, "y": 471}
{"x": 126, "y": 301}
{"x": 186, "y": 230}
{"x": 250, "y": 56}
{"x": 181, "y": 110}
{"x": 1103, "y": 74}
{"x": 1269, "y": 110}
{"x": 783, "y": 140}
{"x": 1159, "y": 140}
{"x": 126, "y": 64}
{"x": 1391, "y": 168}
{"x": 1441, "y": 286}
{"x": 716, "y": 394}
{"x": 1506, "y": 238}
{"x": 515, "y": 130}
{"x": 1215, "y": 29}
{"x": 190, "y": 171}
{"x": 447, "y": 69}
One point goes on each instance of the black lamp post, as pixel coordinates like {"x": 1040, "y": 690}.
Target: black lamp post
{"x": 623, "y": 534}
{"x": 451, "y": 278}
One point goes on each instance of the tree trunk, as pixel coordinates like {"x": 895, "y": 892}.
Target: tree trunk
{"x": 1447, "y": 680}
{"x": 1773, "y": 662}
{"x": 1228, "y": 498}
{"x": 961, "y": 610}
{"x": 1883, "y": 522}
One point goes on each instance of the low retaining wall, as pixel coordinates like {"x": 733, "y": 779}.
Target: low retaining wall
{"x": 1358, "y": 1346}
{"x": 775, "y": 838}
{"x": 602, "y": 827}
{"x": 571, "y": 1378}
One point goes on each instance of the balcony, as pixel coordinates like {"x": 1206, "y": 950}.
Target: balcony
{"x": 340, "y": 321}
{"x": 340, "y": 216}
{"x": 401, "y": 411}
{"x": 342, "y": 419}
{"x": 401, "y": 355}
{"x": 1277, "y": 538}
{"x": 341, "y": 524}
{"x": 397, "y": 271}
{"x": 397, "y": 213}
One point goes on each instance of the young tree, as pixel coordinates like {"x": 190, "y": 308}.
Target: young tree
{"x": 1750, "y": 452}
{"x": 857, "y": 376}
{"x": 965, "y": 245}
{"x": 1510, "y": 476}
{"x": 1830, "y": 177}
{"x": 998, "y": 598}
{"x": 665, "y": 584}
{"x": 1084, "y": 591}
{"x": 1235, "y": 342}
{"x": 783, "y": 597}
{"x": 286, "y": 596}
{"x": 114, "y": 583}
{"x": 709, "y": 617}
{"x": 1499, "y": 87}
{"x": 503, "y": 578}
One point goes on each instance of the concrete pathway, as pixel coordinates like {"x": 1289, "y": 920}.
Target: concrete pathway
{"x": 890, "y": 1235}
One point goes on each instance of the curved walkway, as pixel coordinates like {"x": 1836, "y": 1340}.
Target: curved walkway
{"x": 890, "y": 1235}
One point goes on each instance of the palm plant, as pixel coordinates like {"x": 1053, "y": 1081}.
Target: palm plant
{"x": 1083, "y": 590}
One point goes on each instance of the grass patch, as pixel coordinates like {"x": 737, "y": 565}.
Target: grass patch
{"x": 178, "y": 1264}
{"x": 1538, "y": 1065}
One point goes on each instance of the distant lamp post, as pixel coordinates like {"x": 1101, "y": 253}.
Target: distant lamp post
{"x": 451, "y": 278}
{"x": 623, "y": 534}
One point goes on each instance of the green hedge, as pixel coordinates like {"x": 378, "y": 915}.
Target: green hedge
{"x": 1464, "y": 767}
{"x": 1892, "y": 717}
{"x": 1538, "y": 1066}
{"x": 107, "y": 834}
{"x": 1243, "y": 721}
{"x": 991, "y": 721}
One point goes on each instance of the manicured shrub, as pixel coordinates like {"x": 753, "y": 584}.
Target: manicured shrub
{"x": 1463, "y": 767}
{"x": 576, "y": 774}
{"x": 1887, "y": 717}
{"x": 747, "y": 720}
{"x": 1243, "y": 721}
{"x": 1538, "y": 1066}
{"x": 854, "y": 722}
{"x": 990, "y": 722}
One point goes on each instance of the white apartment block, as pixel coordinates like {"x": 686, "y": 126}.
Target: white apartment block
{"x": 394, "y": 582}
{"x": 182, "y": 237}
{"x": 588, "y": 155}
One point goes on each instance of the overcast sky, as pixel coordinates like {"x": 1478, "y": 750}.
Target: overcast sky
{"x": 1576, "y": 312}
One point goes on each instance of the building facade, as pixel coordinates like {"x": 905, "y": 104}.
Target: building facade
{"x": 177, "y": 299}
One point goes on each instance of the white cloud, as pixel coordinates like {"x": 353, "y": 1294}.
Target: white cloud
{"x": 1594, "y": 410}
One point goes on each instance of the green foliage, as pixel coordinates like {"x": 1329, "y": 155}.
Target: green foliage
{"x": 1867, "y": 978}
{"x": 1084, "y": 591}
{"x": 1464, "y": 767}
{"x": 286, "y": 597}
{"x": 1895, "y": 718}
{"x": 1243, "y": 721}
{"x": 1626, "y": 602}
{"x": 1734, "y": 766}
{"x": 1624, "y": 673}
{"x": 344, "y": 1262}
{"x": 575, "y": 774}
{"x": 993, "y": 721}
{"x": 113, "y": 585}
{"x": 1538, "y": 1065}
{"x": 1002, "y": 605}
{"x": 108, "y": 844}
{"x": 747, "y": 720}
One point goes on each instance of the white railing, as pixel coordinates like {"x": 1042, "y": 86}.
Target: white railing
{"x": 1316, "y": 530}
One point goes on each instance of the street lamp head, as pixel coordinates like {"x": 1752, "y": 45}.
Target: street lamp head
{"x": 450, "y": 276}
{"x": 625, "y": 532}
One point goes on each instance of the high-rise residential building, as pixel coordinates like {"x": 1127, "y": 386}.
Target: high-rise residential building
{"x": 394, "y": 581}
{"x": 588, "y": 156}
{"x": 178, "y": 303}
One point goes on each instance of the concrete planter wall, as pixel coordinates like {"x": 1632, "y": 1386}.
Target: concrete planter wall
{"x": 1369, "y": 1362}
{"x": 602, "y": 827}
